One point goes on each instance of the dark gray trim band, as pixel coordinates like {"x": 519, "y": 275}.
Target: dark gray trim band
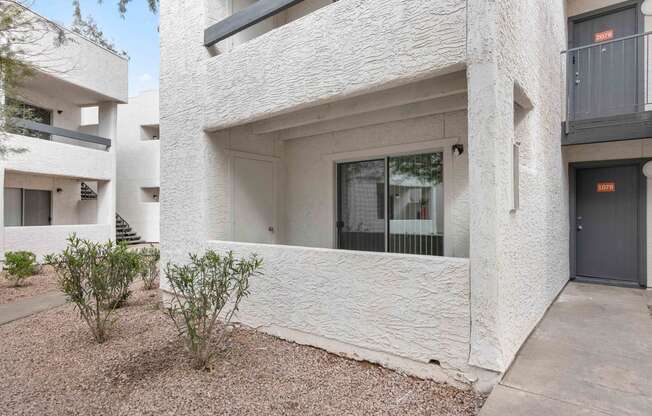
{"x": 237, "y": 22}
{"x": 58, "y": 131}
{"x": 630, "y": 126}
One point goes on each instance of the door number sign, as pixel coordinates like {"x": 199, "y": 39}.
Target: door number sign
{"x": 605, "y": 187}
{"x": 603, "y": 36}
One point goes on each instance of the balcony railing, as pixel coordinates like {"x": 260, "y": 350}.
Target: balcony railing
{"x": 257, "y": 12}
{"x": 48, "y": 130}
{"x": 608, "y": 89}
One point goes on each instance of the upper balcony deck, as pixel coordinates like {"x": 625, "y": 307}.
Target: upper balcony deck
{"x": 606, "y": 71}
{"x": 344, "y": 49}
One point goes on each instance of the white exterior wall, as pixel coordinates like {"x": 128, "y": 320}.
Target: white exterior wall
{"x": 400, "y": 311}
{"x": 138, "y": 164}
{"x": 80, "y": 63}
{"x": 51, "y": 158}
{"x": 344, "y": 49}
{"x": 48, "y": 165}
{"x": 51, "y": 239}
{"x": 399, "y": 42}
{"x": 519, "y": 260}
{"x": 79, "y": 73}
{"x": 67, "y": 205}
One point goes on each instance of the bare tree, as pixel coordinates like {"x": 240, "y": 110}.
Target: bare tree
{"x": 25, "y": 42}
{"x": 122, "y": 6}
{"x": 88, "y": 28}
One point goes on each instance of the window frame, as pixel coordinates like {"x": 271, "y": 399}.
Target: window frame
{"x": 443, "y": 145}
{"x": 23, "y": 206}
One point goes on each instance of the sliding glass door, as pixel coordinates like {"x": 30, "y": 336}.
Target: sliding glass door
{"x": 27, "y": 207}
{"x": 394, "y": 204}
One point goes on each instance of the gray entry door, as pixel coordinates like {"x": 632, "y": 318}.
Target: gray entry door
{"x": 607, "y": 222}
{"x": 604, "y": 79}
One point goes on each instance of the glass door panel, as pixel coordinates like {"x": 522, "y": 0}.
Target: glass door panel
{"x": 416, "y": 204}
{"x": 13, "y": 207}
{"x": 361, "y": 205}
{"x": 37, "y": 207}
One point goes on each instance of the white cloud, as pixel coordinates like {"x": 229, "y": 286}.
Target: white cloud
{"x": 145, "y": 77}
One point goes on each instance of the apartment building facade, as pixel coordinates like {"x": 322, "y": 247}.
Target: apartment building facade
{"x": 138, "y": 154}
{"x": 62, "y": 179}
{"x": 415, "y": 174}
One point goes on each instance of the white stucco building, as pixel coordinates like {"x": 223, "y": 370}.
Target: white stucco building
{"x": 63, "y": 180}
{"x": 138, "y": 154}
{"x": 402, "y": 166}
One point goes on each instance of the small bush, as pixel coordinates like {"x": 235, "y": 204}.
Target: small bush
{"x": 149, "y": 257}
{"x": 95, "y": 276}
{"x": 124, "y": 266}
{"x": 206, "y": 293}
{"x": 20, "y": 265}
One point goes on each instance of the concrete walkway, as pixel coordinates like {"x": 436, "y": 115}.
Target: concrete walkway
{"x": 29, "y": 306}
{"x": 591, "y": 355}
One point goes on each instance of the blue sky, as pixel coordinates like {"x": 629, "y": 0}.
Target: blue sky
{"x": 136, "y": 33}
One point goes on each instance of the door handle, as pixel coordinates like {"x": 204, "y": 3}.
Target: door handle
{"x": 579, "y": 228}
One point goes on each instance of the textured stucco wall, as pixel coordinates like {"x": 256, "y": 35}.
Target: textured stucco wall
{"x": 80, "y": 62}
{"x": 138, "y": 164}
{"x": 411, "y": 307}
{"x": 52, "y": 158}
{"x": 194, "y": 181}
{"x": 344, "y": 49}
{"x": 52, "y": 239}
{"x": 519, "y": 260}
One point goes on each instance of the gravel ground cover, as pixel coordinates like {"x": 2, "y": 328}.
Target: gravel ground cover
{"x": 43, "y": 282}
{"x": 49, "y": 365}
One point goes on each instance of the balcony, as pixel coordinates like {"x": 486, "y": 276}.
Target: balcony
{"x": 47, "y": 132}
{"x": 608, "y": 91}
{"x": 344, "y": 49}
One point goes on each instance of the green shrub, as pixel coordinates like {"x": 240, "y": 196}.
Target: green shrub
{"x": 95, "y": 277}
{"x": 20, "y": 265}
{"x": 124, "y": 266}
{"x": 205, "y": 295}
{"x": 149, "y": 257}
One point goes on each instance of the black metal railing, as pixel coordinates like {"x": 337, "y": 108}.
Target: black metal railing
{"x": 607, "y": 78}
{"x": 49, "y": 131}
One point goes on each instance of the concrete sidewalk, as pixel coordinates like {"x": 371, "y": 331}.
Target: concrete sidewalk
{"x": 29, "y": 306}
{"x": 591, "y": 355}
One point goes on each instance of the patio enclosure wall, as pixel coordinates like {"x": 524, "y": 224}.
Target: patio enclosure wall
{"x": 405, "y": 312}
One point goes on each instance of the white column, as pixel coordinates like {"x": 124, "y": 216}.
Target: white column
{"x": 106, "y": 190}
{"x": 647, "y": 171}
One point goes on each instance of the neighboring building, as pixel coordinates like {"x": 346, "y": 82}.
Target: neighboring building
{"x": 402, "y": 168}
{"x": 138, "y": 155}
{"x": 64, "y": 180}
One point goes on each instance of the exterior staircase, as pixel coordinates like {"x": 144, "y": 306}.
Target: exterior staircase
{"x": 123, "y": 231}
{"x": 87, "y": 193}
